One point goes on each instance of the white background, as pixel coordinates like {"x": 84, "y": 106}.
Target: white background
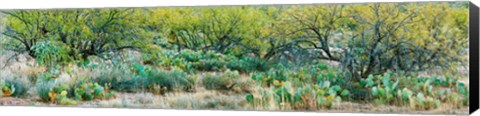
{"x": 62, "y": 111}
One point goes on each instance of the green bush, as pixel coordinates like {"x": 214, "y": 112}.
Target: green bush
{"x": 132, "y": 84}
{"x": 138, "y": 77}
{"x": 190, "y": 55}
{"x": 220, "y": 81}
{"x": 247, "y": 64}
{"x": 120, "y": 77}
{"x": 209, "y": 65}
{"x": 43, "y": 89}
{"x": 174, "y": 79}
{"x": 194, "y": 61}
{"x": 49, "y": 75}
{"x": 51, "y": 53}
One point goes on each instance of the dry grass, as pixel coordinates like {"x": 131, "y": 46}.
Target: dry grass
{"x": 214, "y": 100}
{"x": 174, "y": 100}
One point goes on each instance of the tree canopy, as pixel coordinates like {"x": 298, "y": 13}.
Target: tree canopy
{"x": 364, "y": 38}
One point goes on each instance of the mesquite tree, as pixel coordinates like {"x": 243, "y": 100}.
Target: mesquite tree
{"x": 364, "y": 38}
{"x": 402, "y": 37}
{"x": 66, "y": 35}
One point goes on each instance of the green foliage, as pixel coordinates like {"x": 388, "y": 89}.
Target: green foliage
{"x": 247, "y": 64}
{"x": 174, "y": 79}
{"x": 327, "y": 94}
{"x": 51, "y": 92}
{"x": 64, "y": 35}
{"x": 426, "y": 103}
{"x": 390, "y": 42}
{"x": 316, "y": 84}
{"x": 418, "y": 92}
{"x": 120, "y": 77}
{"x": 364, "y": 38}
{"x": 50, "y": 75}
{"x": 384, "y": 92}
{"x": 268, "y": 78}
{"x": 195, "y": 61}
{"x": 12, "y": 88}
{"x": 221, "y": 81}
{"x": 379, "y": 48}
{"x": 90, "y": 91}
{"x": 48, "y": 53}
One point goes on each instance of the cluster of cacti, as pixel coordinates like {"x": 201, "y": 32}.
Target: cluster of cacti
{"x": 382, "y": 90}
{"x": 417, "y": 92}
{"x": 464, "y": 91}
{"x": 90, "y": 91}
{"x": 327, "y": 94}
{"x": 426, "y": 103}
{"x": 7, "y": 89}
{"x": 313, "y": 87}
{"x": 446, "y": 82}
{"x": 270, "y": 77}
{"x": 286, "y": 95}
{"x": 50, "y": 75}
{"x": 439, "y": 90}
{"x": 195, "y": 61}
{"x": 65, "y": 94}
{"x": 55, "y": 93}
{"x": 12, "y": 88}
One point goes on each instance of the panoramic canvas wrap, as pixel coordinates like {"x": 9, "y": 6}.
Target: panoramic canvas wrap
{"x": 363, "y": 57}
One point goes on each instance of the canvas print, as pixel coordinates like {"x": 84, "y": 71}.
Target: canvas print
{"x": 359, "y": 57}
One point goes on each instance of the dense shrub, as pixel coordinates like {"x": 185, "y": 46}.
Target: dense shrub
{"x": 120, "y": 77}
{"x": 174, "y": 79}
{"x": 209, "y": 65}
{"x": 247, "y": 64}
{"x": 194, "y": 61}
{"x": 220, "y": 81}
